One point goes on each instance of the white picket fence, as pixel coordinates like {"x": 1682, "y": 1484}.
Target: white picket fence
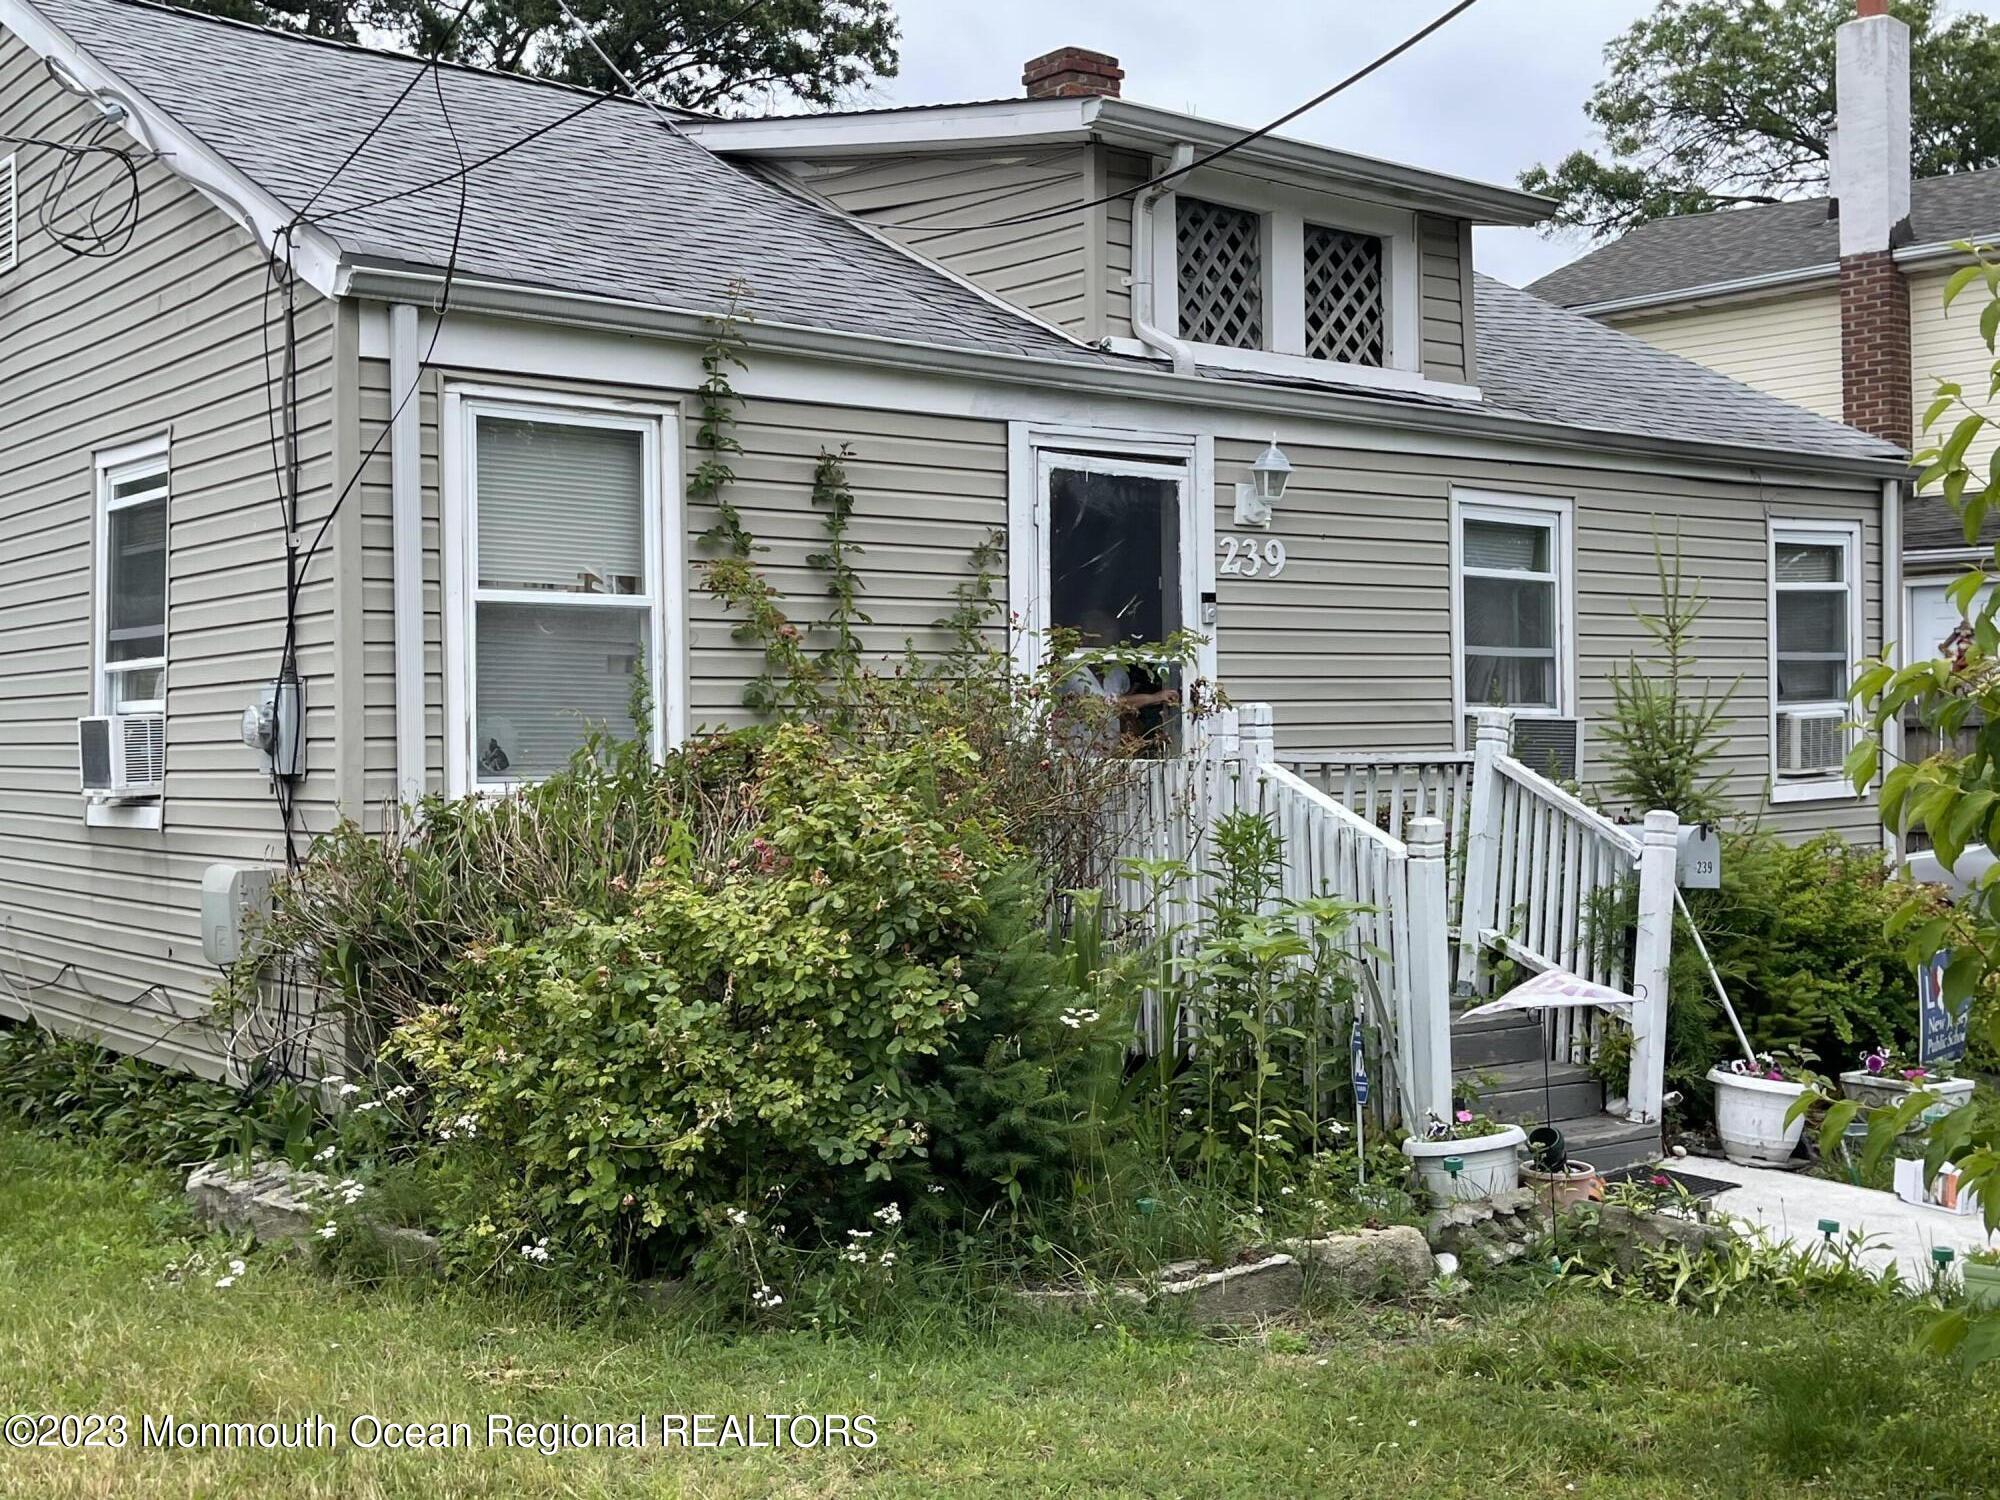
{"x": 1454, "y": 856}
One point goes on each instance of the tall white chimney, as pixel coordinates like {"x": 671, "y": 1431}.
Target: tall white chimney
{"x": 1871, "y": 186}
{"x": 1871, "y": 150}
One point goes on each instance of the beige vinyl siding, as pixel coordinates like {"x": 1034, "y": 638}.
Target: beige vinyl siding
{"x": 1440, "y": 248}
{"x": 927, "y": 491}
{"x": 1121, "y": 172}
{"x": 103, "y": 923}
{"x": 1039, "y": 266}
{"x": 1788, "y": 346}
{"x": 1945, "y": 345}
{"x": 1352, "y": 644}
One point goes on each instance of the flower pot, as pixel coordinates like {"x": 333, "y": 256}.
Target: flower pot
{"x": 1579, "y": 1183}
{"x": 1982, "y": 1284}
{"x": 1885, "y": 1091}
{"x": 1750, "y": 1118}
{"x": 1489, "y": 1164}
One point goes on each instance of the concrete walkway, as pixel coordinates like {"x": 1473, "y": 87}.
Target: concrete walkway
{"x": 1789, "y": 1206}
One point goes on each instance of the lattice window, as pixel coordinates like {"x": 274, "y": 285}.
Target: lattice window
{"x": 1221, "y": 274}
{"x": 1344, "y": 305}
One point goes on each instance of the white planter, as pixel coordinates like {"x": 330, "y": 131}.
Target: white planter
{"x": 1882, "y": 1090}
{"x": 1490, "y": 1164}
{"x": 1750, "y": 1118}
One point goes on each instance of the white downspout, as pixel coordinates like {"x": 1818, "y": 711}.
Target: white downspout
{"x": 1895, "y": 619}
{"x": 406, "y": 499}
{"x": 1144, "y": 310}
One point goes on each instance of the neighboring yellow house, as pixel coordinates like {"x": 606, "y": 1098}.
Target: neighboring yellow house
{"x": 1813, "y": 302}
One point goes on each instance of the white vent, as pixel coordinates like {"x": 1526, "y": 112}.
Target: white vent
{"x": 10, "y": 213}
{"x": 1343, "y": 296}
{"x": 1221, "y": 273}
{"x": 121, "y": 757}
{"x": 1546, "y": 745}
{"x": 1811, "y": 740}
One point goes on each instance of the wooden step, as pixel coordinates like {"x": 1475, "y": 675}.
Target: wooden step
{"x": 1525, "y": 1092}
{"x": 1511, "y": 1037}
{"x": 1608, "y": 1143}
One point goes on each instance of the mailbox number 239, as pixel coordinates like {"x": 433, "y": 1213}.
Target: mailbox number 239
{"x": 1248, "y": 557}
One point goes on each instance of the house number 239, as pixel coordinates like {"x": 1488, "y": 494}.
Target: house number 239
{"x": 1247, "y": 557}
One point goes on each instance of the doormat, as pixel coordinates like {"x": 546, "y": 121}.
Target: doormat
{"x": 1700, "y": 1187}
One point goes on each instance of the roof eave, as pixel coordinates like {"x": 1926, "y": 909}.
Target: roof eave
{"x": 1791, "y": 279}
{"x": 402, "y": 283}
{"x": 1118, "y": 122}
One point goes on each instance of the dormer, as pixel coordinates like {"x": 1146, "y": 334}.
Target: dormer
{"x": 1281, "y": 258}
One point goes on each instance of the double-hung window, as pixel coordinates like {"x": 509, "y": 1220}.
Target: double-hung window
{"x": 130, "y": 675}
{"x": 561, "y": 567}
{"x": 1513, "y": 569}
{"x": 1815, "y": 643}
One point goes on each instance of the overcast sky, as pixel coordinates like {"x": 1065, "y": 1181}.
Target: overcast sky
{"x": 1499, "y": 89}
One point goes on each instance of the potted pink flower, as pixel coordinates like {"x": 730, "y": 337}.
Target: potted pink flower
{"x": 1753, "y": 1098}
{"x": 1886, "y": 1077}
{"x": 1467, "y": 1156}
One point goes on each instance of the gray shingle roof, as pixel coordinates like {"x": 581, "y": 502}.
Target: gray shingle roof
{"x": 1543, "y": 362}
{"x": 1699, "y": 250}
{"x": 617, "y": 204}
{"x": 613, "y": 203}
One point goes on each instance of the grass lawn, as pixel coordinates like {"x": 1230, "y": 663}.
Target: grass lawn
{"x": 1517, "y": 1394}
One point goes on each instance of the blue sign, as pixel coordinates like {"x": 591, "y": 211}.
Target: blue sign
{"x": 1940, "y": 1034}
{"x": 1360, "y": 1067}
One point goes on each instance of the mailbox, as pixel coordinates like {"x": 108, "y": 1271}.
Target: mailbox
{"x": 1699, "y": 867}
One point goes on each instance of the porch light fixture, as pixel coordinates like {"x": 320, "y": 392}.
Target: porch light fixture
{"x": 1268, "y": 477}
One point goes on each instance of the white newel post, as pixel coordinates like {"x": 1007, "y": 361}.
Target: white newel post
{"x": 1482, "y": 843}
{"x": 1658, "y": 856}
{"x": 1259, "y": 737}
{"x": 1428, "y": 1023}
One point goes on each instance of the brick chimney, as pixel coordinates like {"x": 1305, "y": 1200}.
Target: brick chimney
{"x": 1871, "y": 191}
{"x": 1072, "y": 73}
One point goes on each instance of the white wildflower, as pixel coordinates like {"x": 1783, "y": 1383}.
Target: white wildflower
{"x": 348, "y": 1090}
{"x": 371, "y": 1104}
{"x": 855, "y": 1254}
{"x": 738, "y": 1217}
{"x": 401, "y": 1091}
{"x": 334, "y": 1080}
{"x": 890, "y": 1214}
{"x": 888, "y": 1258}
{"x": 937, "y": 1187}
{"x": 236, "y": 1268}
{"x": 225, "y": 1282}
{"x": 328, "y": 1154}
{"x": 1078, "y": 1016}
{"x": 327, "y": 1230}
{"x": 861, "y": 1234}
{"x": 537, "y": 1252}
{"x": 766, "y": 1297}
{"x": 1286, "y": 1191}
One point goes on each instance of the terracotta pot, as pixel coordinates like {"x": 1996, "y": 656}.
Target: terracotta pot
{"x": 1580, "y": 1183}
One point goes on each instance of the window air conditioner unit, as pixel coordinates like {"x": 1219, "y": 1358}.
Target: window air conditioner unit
{"x": 123, "y": 757}
{"x": 1546, "y": 745}
{"x": 1811, "y": 740}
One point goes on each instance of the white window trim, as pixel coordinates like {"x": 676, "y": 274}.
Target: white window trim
{"x": 1847, "y": 536}
{"x": 1188, "y": 457}
{"x": 1556, "y": 513}
{"x": 112, "y": 466}
{"x": 666, "y": 583}
{"x": 1285, "y": 213}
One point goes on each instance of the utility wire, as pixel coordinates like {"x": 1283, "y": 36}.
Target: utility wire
{"x": 601, "y": 97}
{"x": 1201, "y": 161}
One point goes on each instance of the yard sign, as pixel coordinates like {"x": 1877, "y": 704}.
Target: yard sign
{"x": 1940, "y": 1034}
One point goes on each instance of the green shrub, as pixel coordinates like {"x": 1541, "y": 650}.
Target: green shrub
{"x": 1798, "y": 934}
{"x": 773, "y": 1027}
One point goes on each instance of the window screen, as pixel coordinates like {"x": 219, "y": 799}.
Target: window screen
{"x": 1221, "y": 274}
{"x": 1812, "y": 609}
{"x": 559, "y": 515}
{"x": 133, "y": 611}
{"x": 1511, "y": 624}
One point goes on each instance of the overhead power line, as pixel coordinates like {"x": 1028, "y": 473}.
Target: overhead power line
{"x": 1250, "y": 137}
